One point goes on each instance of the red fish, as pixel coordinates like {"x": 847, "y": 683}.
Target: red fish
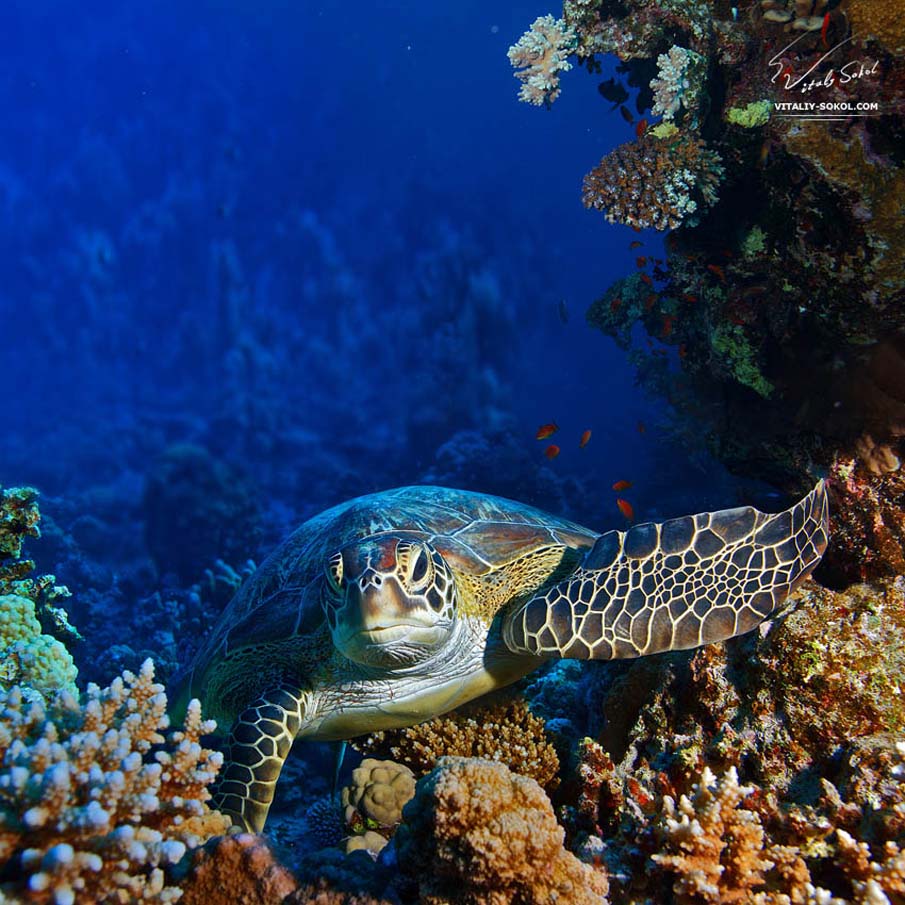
{"x": 635, "y": 244}
{"x": 645, "y": 278}
{"x": 715, "y": 268}
{"x": 546, "y": 430}
{"x": 667, "y": 325}
{"x": 641, "y": 128}
{"x": 641, "y": 428}
{"x": 683, "y": 350}
{"x": 615, "y": 305}
{"x": 621, "y": 485}
{"x": 552, "y": 451}
{"x": 625, "y": 507}
{"x": 649, "y": 301}
{"x": 823, "y": 29}
{"x": 641, "y": 262}
{"x": 689, "y": 298}
{"x": 585, "y": 437}
{"x": 637, "y": 229}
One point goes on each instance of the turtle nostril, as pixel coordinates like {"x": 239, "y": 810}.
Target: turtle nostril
{"x": 378, "y": 581}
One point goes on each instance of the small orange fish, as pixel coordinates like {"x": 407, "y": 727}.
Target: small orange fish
{"x": 641, "y": 128}
{"x": 640, "y": 427}
{"x": 552, "y": 451}
{"x": 621, "y": 485}
{"x": 689, "y": 298}
{"x": 683, "y": 350}
{"x": 649, "y": 301}
{"x": 585, "y": 437}
{"x": 715, "y": 268}
{"x": 823, "y": 29}
{"x": 637, "y": 229}
{"x": 546, "y": 430}
{"x": 667, "y": 325}
{"x": 645, "y": 278}
{"x": 625, "y": 507}
{"x": 641, "y": 262}
{"x": 635, "y": 244}
{"x": 615, "y": 305}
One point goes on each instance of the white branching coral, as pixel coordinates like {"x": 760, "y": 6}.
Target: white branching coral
{"x": 540, "y": 55}
{"x": 680, "y": 78}
{"x": 88, "y": 813}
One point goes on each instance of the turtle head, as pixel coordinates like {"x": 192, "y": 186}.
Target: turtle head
{"x": 390, "y": 600}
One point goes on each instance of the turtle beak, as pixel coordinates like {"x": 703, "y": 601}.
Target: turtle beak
{"x": 376, "y": 602}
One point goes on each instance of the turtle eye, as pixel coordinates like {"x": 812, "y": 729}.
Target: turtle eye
{"x": 420, "y": 568}
{"x": 334, "y": 571}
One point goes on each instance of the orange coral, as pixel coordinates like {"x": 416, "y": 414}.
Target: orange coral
{"x": 884, "y": 21}
{"x": 86, "y": 812}
{"x": 236, "y": 870}
{"x": 476, "y": 834}
{"x": 654, "y": 182}
{"x": 508, "y": 733}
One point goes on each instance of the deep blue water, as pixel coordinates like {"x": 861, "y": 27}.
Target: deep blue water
{"x": 324, "y": 243}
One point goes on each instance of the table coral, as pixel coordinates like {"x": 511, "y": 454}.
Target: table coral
{"x": 539, "y": 56}
{"x": 477, "y": 834}
{"x": 652, "y": 182}
{"x": 87, "y": 812}
{"x": 508, "y": 733}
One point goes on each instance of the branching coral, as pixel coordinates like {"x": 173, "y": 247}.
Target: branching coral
{"x": 652, "y": 182}
{"x": 476, "y": 834}
{"x": 679, "y": 83}
{"x": 508, "y": 733}
{"x": 539, "y": 56}
{"x": 87, "y": 812}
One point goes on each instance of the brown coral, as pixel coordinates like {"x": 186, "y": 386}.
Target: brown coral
{"x": 654, "y": 182}
{"x": 508, "y": 733}
{"x": 236, "y": 870}
{"x": 86, "y": 812}
{"x": 883, "y": 21}
{"x": 476, "y": 834}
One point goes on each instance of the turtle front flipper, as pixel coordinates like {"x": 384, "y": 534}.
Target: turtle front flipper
{"x": 259, "y": 744}
{"x": 676, "y": 585}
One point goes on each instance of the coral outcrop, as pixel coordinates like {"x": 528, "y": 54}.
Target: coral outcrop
{"x": 539, "y": 56}
{"x": 476, "y": 834}
{"x": 505, "y": 732}
{"x": 95, "y": 801}
{"x": 654, "y": 182}
{"x": 373, "y": 802}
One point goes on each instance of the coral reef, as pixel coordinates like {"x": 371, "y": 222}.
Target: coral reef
{"x": 373, "y": 801}
{"x": 539, "y": 56}
{"x": 236, "y": 870}
{"x": 476, "y": 833}
{"x": 504, "y": 732}
{"x": 653, "y": 182}
{"x": 679, "y": 84}
{"x": 89, "y": 810}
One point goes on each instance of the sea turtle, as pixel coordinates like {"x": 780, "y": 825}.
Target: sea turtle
{"x": 392, "y": 608}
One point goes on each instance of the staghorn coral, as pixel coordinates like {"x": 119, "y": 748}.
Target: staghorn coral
{"x": 659, "y": 183}
{"x": 236, "y": 870}
{"x": 87, "y": 813}
{"x": 539, "y": 56}
{"x": 476, "y": 834}
{"x": 714, "y": 846}
{"x": 508, "y": 733}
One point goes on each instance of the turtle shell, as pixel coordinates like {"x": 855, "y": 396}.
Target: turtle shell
{"x": 476, "y": 533}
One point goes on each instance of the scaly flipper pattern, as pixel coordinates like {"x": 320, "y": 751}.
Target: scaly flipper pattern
{"x": 676, "y": 585}
{"x": 258, "y": 746}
